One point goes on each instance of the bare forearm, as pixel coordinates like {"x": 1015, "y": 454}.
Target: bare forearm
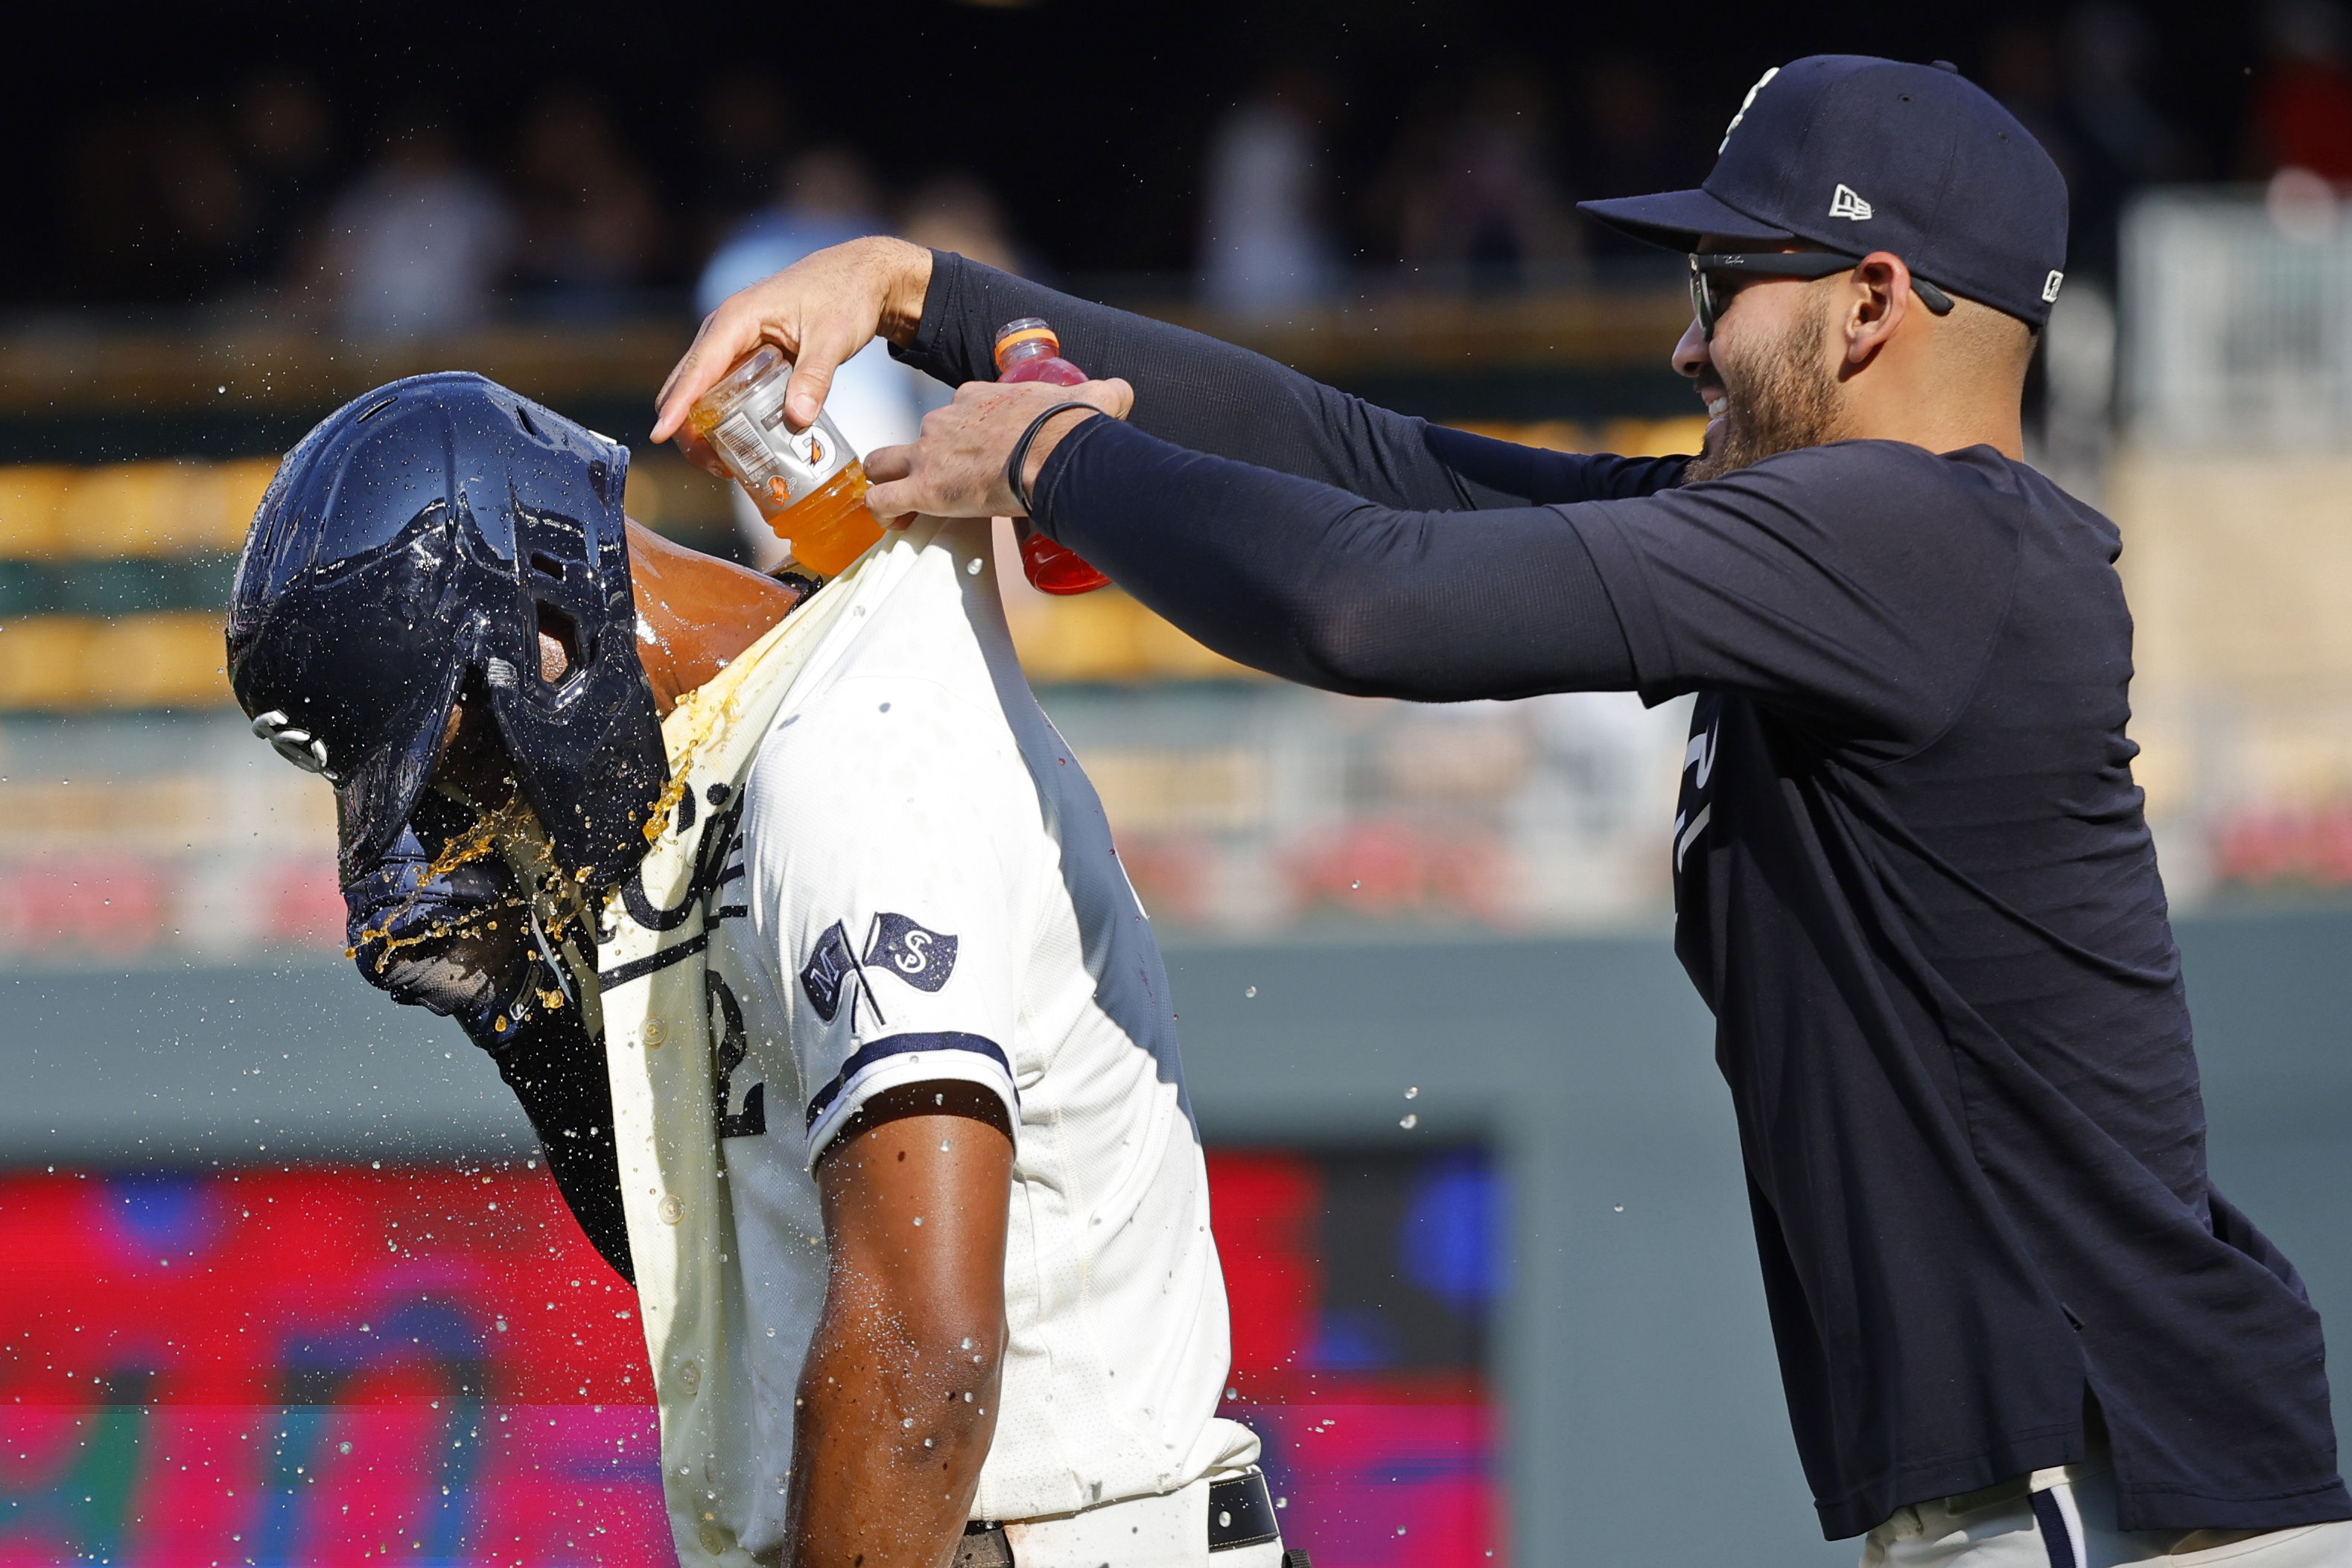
{"x": 897, "y": 1403}
{"x": 887, "y": 1450}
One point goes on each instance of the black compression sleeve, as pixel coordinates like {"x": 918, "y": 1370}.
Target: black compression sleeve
{"x": 557, "y": 1074}
{"x": 1308, "y": 582}
{"x": 1211, "y": 396}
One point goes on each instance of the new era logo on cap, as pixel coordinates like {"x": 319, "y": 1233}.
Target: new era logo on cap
{"x": 1844, "y": 203}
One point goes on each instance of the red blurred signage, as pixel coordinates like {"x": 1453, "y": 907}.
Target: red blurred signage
{"x": 342, "y": 1365}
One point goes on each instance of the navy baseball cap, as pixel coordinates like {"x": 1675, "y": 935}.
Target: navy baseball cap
{"x": 1860, "y": 154}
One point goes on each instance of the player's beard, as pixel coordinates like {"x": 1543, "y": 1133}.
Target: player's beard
{"x": 1783, "y": 400}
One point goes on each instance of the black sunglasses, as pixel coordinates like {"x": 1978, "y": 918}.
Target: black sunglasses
{"x": 1783, "y": 263}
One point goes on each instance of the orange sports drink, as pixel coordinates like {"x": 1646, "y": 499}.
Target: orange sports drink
{"x": 1028, "y": 350}
{"x": 809, "y": 485}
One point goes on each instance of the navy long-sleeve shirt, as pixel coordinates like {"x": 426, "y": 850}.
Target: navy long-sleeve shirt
{"x": 1913, "y": 878}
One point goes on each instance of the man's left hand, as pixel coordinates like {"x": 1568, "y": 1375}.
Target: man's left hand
{"x": 956, "y": 468}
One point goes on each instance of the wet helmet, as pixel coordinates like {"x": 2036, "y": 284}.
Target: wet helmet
{"x": 414, "y": 547}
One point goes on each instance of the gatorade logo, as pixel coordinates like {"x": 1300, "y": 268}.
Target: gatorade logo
{"x": 1745, "y": 104}
{"x": 1845, "y": 204}
{"x": 2050, "y": 287}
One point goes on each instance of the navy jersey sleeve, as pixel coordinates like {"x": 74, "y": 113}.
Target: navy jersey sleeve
{"x": 1213, "y": 397}
{"x": 1858, "y": 588}
{"x": 1320, "y": 586}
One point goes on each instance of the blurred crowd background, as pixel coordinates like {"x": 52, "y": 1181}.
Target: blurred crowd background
{"x": 221, "y": 240}
{"x": 491, "y": 168}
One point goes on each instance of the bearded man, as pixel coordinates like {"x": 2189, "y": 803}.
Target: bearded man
{"x": 1913, "y": 878}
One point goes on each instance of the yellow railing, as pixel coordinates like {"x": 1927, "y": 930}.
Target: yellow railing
{"x": 50, "y": 512}
{"x": 56, "y": 517}
{"x": 62, "y": 664}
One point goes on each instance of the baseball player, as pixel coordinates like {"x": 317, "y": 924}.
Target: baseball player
{"x": 2017, "y": 1324}
{"x": 803, "y": 940}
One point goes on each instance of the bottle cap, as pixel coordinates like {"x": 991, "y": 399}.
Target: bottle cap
{"x": 1028, "y": 329}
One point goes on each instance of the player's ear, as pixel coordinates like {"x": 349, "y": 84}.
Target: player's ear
{"x": 1873, "y": 302}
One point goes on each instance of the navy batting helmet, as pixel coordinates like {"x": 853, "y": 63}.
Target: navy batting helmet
{"x": 421, "y": 538}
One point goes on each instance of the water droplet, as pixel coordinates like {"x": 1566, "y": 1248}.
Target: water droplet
{"x": 1409, "y": 1121}
{"x": 1619, "y": 1208}
{"x": 973, "y": 570}
{"x": 1413, "y": 1093}
{"x": 918, "y": 1219}
{"x": 1251, "y": 992}
{"x": 967, "y": 1342}
{"x": 344, "y": 1449}
{"x": 1358, "y": 883}
{"x": 907, "y": 1422}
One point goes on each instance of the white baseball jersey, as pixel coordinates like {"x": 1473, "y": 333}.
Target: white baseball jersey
{"x": 926, "y": 889}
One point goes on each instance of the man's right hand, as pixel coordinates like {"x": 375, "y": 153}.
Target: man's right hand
{"x": 820, "y": 310}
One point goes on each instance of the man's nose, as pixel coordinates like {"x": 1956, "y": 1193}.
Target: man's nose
{"x": 1691, "y": 356}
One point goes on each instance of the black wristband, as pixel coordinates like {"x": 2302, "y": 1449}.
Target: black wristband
{"x": 1013, "y": 464}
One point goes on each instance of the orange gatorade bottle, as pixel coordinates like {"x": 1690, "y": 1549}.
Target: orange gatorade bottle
{"x": 809, "y": 485}
{"x": 1028, "y": 350}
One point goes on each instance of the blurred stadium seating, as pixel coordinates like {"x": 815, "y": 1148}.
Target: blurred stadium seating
{"x": 138, "y": 818}
{"x": 1242, "y": 806}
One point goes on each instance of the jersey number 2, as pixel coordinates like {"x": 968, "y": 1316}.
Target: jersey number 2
{"x": 733, "y": 1046}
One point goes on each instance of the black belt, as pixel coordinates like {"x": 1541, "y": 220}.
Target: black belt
{"x": 1240, "y": 1513}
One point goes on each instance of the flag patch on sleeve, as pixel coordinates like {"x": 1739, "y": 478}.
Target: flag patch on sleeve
{"x": 917, "y": 954}
{"x": 827, "y": 971}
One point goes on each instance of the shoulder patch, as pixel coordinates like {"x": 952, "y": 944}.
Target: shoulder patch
{"x": 827, "y": 970}
{"x": 917, "y": 954}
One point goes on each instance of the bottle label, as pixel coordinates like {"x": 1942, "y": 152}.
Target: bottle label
{"x": 761, "y": 449}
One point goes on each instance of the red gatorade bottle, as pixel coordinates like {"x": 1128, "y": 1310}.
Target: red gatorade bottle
{"x": 1027, "y": 351}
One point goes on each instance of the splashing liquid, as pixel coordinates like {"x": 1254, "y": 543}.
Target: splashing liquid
{"x": 505, "y": 831}
{"x": 476, "y": 844}
{"x": 1028, "y": 350}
